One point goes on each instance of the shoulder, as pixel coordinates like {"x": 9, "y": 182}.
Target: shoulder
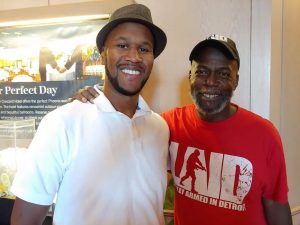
{"x": 178, "y": 111}
{"x": 68, "y": 113}
{"x": 254, "y": 121}
{"x": 158, "y": 120}
{"x": 253, "y": 117}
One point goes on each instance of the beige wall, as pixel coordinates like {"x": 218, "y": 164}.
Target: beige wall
{"x": 285, "y": 86}
{"x": 290, "y": 97}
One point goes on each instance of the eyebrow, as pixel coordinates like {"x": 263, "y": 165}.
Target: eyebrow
{"x": 149, "y": 43}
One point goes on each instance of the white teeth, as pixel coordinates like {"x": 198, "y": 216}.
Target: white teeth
{"x": 210, "y": 96}
{"x": 132, "y": 72}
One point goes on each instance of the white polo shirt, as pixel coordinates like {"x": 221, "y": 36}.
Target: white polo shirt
{"x": 105, "y": 167}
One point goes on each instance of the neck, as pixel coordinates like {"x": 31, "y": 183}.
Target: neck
{"x": 227, "y": 112}
{"x": 122, "y": 103}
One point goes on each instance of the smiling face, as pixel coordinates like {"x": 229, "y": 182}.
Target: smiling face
{"x": 128, "y": 57}
{"x": 213, "y": 79}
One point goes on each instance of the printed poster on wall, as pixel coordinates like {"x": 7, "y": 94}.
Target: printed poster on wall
{"x": 41, "y": 66}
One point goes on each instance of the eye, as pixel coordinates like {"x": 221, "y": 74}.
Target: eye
{"x": 201, "y": 72}
{"x": 224, "y": 74}
{"x": 122, "y": 46}
{"x": 145, "y": 49}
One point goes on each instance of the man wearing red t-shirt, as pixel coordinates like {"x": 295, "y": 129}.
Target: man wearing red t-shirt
{"x": 245, "y": 178}
{"x": 227, "y": 162}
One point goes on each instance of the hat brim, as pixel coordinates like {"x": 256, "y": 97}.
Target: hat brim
{"x": 160, "y": 38}
{"x": 212, "y": 42}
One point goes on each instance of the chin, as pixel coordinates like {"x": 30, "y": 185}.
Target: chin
{"x": 214, "y": 109}
{"x": 211, "y": 111}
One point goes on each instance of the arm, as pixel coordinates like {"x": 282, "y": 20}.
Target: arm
{"x": 277, "y": 213}
{"x": 86, "y": 94}
{"x": 47, "y": 57}
{"x": 200, "y": 166}
{"x": 26, "y": 213}
{"x": 75, "y": 57}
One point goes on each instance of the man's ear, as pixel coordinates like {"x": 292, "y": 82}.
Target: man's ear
{"x": 190, "y": 75}
{"x": 102, "y": 55}
{"x": 236, "y": 81}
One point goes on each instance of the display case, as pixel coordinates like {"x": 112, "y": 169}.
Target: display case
{"x": 15, "y": 137}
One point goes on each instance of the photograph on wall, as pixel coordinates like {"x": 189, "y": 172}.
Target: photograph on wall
{"x": 50, "y": 52}
{"x": 41, "y": 66}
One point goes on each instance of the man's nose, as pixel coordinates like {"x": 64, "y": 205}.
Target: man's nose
{"x": 211, "y": 79}
{"x": 133, "y": 54}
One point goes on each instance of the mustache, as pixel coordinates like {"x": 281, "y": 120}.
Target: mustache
{"x": 130, "y": 65}
{"x": 213, "y": 91}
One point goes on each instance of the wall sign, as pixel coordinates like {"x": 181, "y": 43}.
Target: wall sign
{"x": 41, "y": 66}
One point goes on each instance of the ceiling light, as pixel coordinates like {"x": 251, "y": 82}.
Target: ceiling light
{"x": 71, "y": 19}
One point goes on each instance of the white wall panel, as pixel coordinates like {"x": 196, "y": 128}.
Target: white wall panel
{"x": 290, "y": 97}
{"x": 260, "y": 56}
{"x": 10, "y": 4}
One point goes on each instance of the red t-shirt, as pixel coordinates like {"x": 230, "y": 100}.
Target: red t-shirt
{"x": 223, "y": 169}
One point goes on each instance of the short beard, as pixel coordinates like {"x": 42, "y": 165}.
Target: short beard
{"x": 208, "y": 111}
{"x": 114, "y": 82}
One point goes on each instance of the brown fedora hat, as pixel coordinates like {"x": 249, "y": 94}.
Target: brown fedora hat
{"x": 137, "y": 13}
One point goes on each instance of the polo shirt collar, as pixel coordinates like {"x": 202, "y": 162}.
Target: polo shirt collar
{"x": 105, "y": 105}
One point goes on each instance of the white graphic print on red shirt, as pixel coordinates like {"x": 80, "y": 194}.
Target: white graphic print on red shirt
{"x": 222, "y": 180}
